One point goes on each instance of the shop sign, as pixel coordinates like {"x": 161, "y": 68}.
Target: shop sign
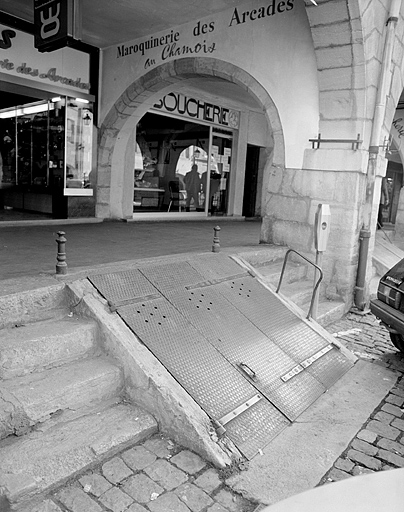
{"x": 398, "y": 124}
{"x": 179, "y": 104}
{"x": 65, "y": 67}
{"x": 56, "y": 22}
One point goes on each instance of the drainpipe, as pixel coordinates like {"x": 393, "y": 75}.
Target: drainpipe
{"x": 380, "y": 110}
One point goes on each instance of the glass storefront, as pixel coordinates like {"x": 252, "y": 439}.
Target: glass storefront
{"x": 181, "y": 166}
{"x": 45, "y": 155}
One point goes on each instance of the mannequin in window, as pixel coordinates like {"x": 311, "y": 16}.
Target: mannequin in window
{"x": 195, "y": 185}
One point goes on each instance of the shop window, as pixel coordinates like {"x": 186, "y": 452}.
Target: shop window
{"x": 166, "y": 150}
{"x": 79, "y": 132}
{"x": 191, "y": 173}
{"x": 47, "y": 144}
{"x": 45, "y": 154}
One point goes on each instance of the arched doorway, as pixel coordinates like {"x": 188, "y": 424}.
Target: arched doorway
{"x": 117, "y": 133}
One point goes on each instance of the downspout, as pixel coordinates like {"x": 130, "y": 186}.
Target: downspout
{"x": 374, "y": 147}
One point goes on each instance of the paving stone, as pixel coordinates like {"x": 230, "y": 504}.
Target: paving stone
{"x": 169, "y": 502}
{"x": 188, "y": 462}
{"x": 360, "y": 470}
{"x": 140, "y": 487}
{"x": 336, "y": 475}
{"x": 395, "y": 400}
{"x": 391, "y": 458}
{"x": 384, "y": 417}
{"x": 398, "y": 424}
{"x": 344, "y": 465}
{"x": 391, "y": 446}
{"x": 365, "y": 460}
{"x": 95, "y": 484}
{"x": 364, "y": 447}
{"x": 383, "y": 430}
{"x": 115, "y": 470}
{"x": 76, "y": 500}
{"x": 193, "y": 497}
{"x": 136, "y": 508}
{"x": 232, "y": 502}
{"x": 209, "y": 480}
{"x": 392, "y": 409}
{"x": 367, "y": 435}
{"x": 165, "y": 474}
{"x": 116, "y": 500}
{"x": 46, "y": 506}
{"x": 138, "y": 458}
{"x": 163, "y": 448}
{"x": 397, "y": 391}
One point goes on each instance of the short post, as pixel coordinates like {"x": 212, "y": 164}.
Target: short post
{"x": 61, "y": 265}
{"x": 216, "y": 241}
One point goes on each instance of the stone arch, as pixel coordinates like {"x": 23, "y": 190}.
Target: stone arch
{"x": 340, "y": 37}
{"x": 118, "y": 126}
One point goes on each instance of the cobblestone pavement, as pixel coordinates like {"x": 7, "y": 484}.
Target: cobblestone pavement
{"x": 379, "y": 445}
{"x": 159, "y": 476}
{"x": 155, "y": 476}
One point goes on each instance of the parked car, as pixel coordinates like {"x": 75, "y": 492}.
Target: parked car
{"x": 389, "y": 305}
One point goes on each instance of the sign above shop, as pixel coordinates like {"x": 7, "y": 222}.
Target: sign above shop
{"x": 57, "y": 24}
{"x": 65, "y": 67}
{"x": 179, "y": 104}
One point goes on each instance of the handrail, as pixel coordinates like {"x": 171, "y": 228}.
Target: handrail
{"x": 316, "y": 285}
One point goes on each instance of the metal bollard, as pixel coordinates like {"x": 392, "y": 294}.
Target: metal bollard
{"x": 216, "y": 241}
{"x": 61, "y": 265}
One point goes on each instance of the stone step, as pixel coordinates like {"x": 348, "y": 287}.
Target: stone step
{"x": 329, "y": 311}
{"x": 272, "y": 272}
{"x": 33, "y": 304}
{"x": 33, "y": 465}
{"x": 299, "y": 292}
{"x": 264, "y": 255}
{"x": 75, "y": 387}
{"x": 45, "y": 344}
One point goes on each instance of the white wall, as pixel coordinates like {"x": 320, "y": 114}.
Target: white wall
{"x": 276, "y": 50}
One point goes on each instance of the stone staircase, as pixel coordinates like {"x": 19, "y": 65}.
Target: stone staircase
{"x": 62, "y": 399}
{"x": 298, "y": 281}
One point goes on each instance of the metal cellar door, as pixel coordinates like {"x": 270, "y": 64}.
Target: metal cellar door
{"x": 244, "y": 357}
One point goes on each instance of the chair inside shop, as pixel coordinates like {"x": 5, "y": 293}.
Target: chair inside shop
{"x": 177, "y": 196}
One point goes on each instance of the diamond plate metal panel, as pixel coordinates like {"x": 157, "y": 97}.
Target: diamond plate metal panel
{"x": 214, "y": 266}
{"x": 172, "y": 276}
{"x": 242, "y": 343}
{"x": 272, "y": 317}
{"x": 122, "y": 286}
{"x": 330, "y": 368}
{"x": 294, "y": 396}
{"x": 223, "y": 336}
{"x": 248, "y": 434}
{"x": 197, "y": 365}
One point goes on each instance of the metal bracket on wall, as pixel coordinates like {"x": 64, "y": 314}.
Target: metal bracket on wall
{"x": 315, "y": 143}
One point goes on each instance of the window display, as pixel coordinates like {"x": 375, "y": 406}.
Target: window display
{"x": 173, "y": 170}
{"x": 45, "y": 152}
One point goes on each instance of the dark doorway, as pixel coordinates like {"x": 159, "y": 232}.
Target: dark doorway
{"x": 251, "y": 179}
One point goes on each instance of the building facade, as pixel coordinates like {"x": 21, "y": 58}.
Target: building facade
{"x": 265, "y": 109}
{"x": 46, "y": 129}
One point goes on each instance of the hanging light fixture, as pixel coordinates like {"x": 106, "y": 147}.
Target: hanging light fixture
{"x": 87, "y": 119}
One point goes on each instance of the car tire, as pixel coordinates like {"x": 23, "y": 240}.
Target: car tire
{"x": 397, "y": 340}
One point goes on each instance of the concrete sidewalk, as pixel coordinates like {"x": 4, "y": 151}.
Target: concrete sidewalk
{"x": 30, "y": 250}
